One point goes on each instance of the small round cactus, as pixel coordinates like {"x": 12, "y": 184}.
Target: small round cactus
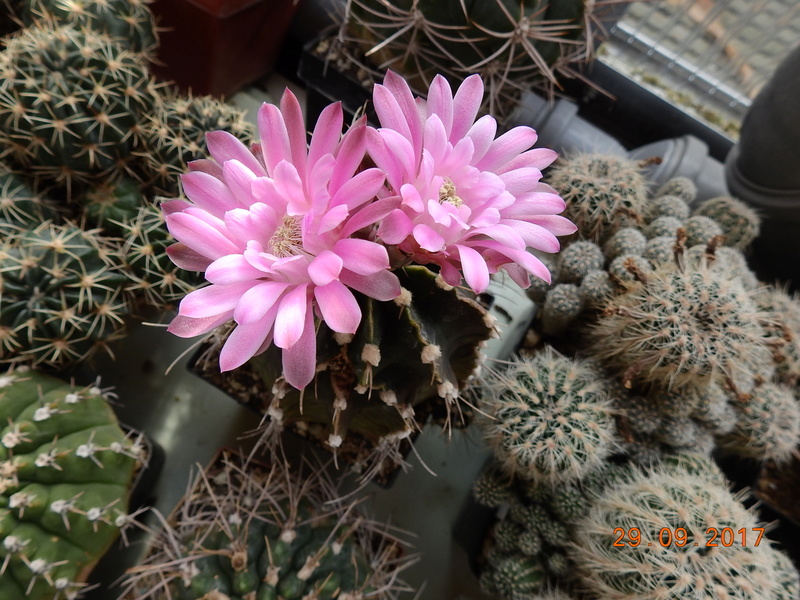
{"x": 20, "y": 206}
{"x": 681, "y": 187}
{"x": 517, "y": 577}
{"x": 662, "y": 226}
{"x": 782, "y": 329}
{"x": 249, "y": 530}
{"x": 63, "y": 296}
{"x": 596, "y": 288}
{"x": 668, "y": 206}
{"x": 578, "y": 259}
{"x": 562, "y": 305}
{"x": 66, "y": 471}
{"x": 603, "y": 193}
{"x": 701, "y": 230}
{"x": 628, "y": 240}
{"x": 767, "y": 424}
{"x": 628, "y": 269}
{"x": 492, "y": 487}
{"x": 550, "y": 417}
{"x": 738, "y": 221}
{"x": 681, "y": 327}
{"x": 669, "y": 500}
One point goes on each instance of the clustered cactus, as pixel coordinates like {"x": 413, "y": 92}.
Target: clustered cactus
{"x": 66, "y": 470}
{"x": 248, "y": 530}
{"x": 696, "y": 357}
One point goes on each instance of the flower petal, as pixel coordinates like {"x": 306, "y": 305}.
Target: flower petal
{"x": 362, "y": 256}
{"x": 209, "y": 193}
{"x": 274, "y": 136}
{"x": 383, "y": 285}
{"x": 300, "y": 360}
{"x": 338, "y": 306}
{"x": 186, "y": 327}
{"x": 295, "y": 129}
{"x": 476, "y": 273}
{"x": 256, "y": 302}
{"x": 395, "y": 227}
{"x": 245, "y": 341}
{"x": 428, "y": 238}
{"x": 232, "y": 268}
{"x": 224, "y": 146}
{"x": 186, "y": 258}
{"x": 506, "y": 147}
{"x": 291, "y": 317}
{"x": 213, "y": 300}
{"x": 327, "y": 132}
{"x": 325, "y": 268}
{"x": 199, "y": 235}
{"x": 440, "y": 102}
{"x": 466, "y": 103}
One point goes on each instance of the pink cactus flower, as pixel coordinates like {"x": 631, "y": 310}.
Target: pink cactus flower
{"x": 278, "y": 232}
{"x": 470, "y": 203}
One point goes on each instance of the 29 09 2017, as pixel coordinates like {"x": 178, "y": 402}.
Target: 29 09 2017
{"x": 678, "y": 536}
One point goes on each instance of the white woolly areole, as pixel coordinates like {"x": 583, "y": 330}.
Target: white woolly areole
{"x": 342, "y": 338}
{"x": 288, "y": 536}
{"x": 360, "y": 389}
{"x": 336, "y": 547}
{"x": 430, "y": 354}
{"x": 371, "y": 354}
{"x": 443, "y": 284}
{"x": 95, "y": 391}
{"x": 13, "y": 544}
{"x": 72, "y": 398}
{"x": 6, "y": 380}
{"x": 447, "y": 391}
{"x": 38, "y": 566}
{"x": 405, "y": 297}
{"x": 42, "y": 413}
{"x": 275, "y": 412}
{"x": 85, "y": 450}
{"x": 389, "y": 397}
{"x": 334, "y": 440}
{"x": 340, "y": 403}
{"x": 61, "y": 583}
{"x": 235, "y": 519}
{"x": 94, "y": 513}
{"x": 60, "y": 506}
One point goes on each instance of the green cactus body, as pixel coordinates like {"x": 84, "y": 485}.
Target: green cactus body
{"x": 128, "y": 22}
{"x": 517, "y": 577}
{"x": 627, "y": 270}
{"x": 71, "y": 103}
{"x": 145, "y": 255}
{"x": 701, "y": 230}
{"x": 578, "y": 259}
{"x": 739, "y": 222}
{"x": 670, "y": 501}
{"x": 107, "y": 205}
{"x": 596, "y": 288}
{"x": 628, "y": 240}
{"x": 550, "y": 417}
{"x": 404, "y": 355}
{"x": 65, "y": 475}
{"x": 603, "y": 193}
{"x": 175, "y": 134}
{"x": 61, "y": 298}
{"x": 782, "y": 330}
{"x": 492, "y": 487}
{"x": 682, "y": 327}
{"x": 258, "y": 531}
{"x": 662, "y": 226}
{"x": 20, "y": 206}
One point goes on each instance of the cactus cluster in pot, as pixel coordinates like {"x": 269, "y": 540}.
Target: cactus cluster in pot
{"x": 655, "y": 349}
{"x": 513, "y": 46}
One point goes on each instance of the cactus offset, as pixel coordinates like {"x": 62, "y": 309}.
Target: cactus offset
{"x": 738, "y": 221}
{"x": 62, "y": 296}
{"x": 66, "y": 470}
{"x": 248, "y": 530}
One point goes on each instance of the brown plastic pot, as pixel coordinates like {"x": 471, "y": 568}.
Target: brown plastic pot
{"x": 216, "y": 47}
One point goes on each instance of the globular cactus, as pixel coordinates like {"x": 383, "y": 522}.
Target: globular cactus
{"x": 767, "y": 424}
{"x": 662, "y": 226}
{"x": 563, "y": 304}
{"x": 782, "y": 330}
{"x": 63, "y": 296}
{"x": 603, "y": 193}
{"x": 66, "y": 469}
{"x": 628, "y": 269}
{"x": 596, "y": 288}
{"x": 701, "y": 230}
{"x": 578, "y": 259}
{"x": 738, "y": 221}
{"x": 405, "y": 356}
{"x": 144, "y": 253}
{"x": 248, "y": 530}
{"x": 536, "y": 42}
{"x": 128, "y": 22}
{"x": 680, "y": 187}
{"x": 106, "y": 205}
{"x": 674, "y": 514}
{"x": 20, "y": 206}
{"x": 550, "y": 417}
{"x": 680, "y": 327}
{"x": 71, "y": 104}
{"x": 516, "y": 578}
{"x": 492, "y": 487}
{"x": 175, "y": 134}
{"x": 628, "y": 240}
{"x": 668, "y": 206}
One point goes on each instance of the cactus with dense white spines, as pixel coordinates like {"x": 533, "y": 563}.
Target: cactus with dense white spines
{"x": 680, "y": 187}
{"x": 550, "y": 417}
{"x": 674, "y": 498}
{"x": 66, "y": 471}
{"x": 563, "y": 304}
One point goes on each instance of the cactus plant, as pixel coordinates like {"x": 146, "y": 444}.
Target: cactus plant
{"x": 534, "y": 41}
{"x": 106, "y": 205}
{"x": 782, "y": 330}
{"x": 701, "y": 230}
{"x": 175, "y": 134}
{"x": 603, "y": 193}
{"x": 628, "y": 241}
{"x": 65, "y": 476}
{"x": 62, "y": 295}
{"x": 681, "y": 327}
{"x": 668, "y": 206}
{"x": 404, "y": 356}
{"x": 562, "y": 305}
{"x": 128, "y": 22}
{"x": 674, "y": 514}
{"x": 738, "y": 221}
{"x": 248, "y": 530}
{"x": 577, "y": 259}
{"x": 20, "y": 205}
{"x": 680, "y": 187}
{"x": 550, "y": 417}
{"x": 71, "y": 103}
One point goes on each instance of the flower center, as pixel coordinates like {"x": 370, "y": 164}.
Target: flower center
{"x": 287, "y": 239}
{"x": 447, "y": 193}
